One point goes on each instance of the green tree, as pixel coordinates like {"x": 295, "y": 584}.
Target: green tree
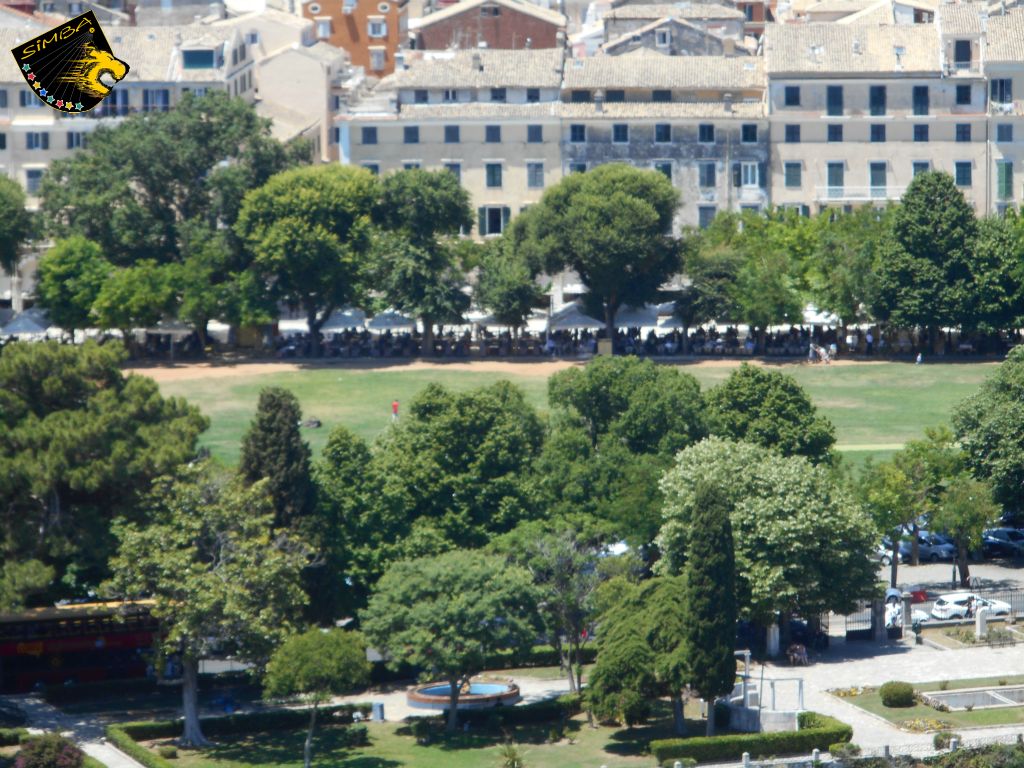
{"x": 507, "y": 285}
{"x": 340, "y": 476}
{"x": 965, "y": 510}
{"x": 842, "y": 274}
{"x": 16, "y": 224}
{"x": 928, "y": 465}
{"x": 997, "y": 257}
{"x": 418, "y": 270}
{"x": 613, "y": 226}
{"x": 770, "y": 409}
{"x": 888, "y": 497}
{"x": 711, "y": 598}
{"x": 444, "y": 614}
{"x": 454, "y": 464}
{"x": 801, "y": 541}
{"x": 135, "y": 297}
{"x": 216, "y": 570}
{"x": 317, "y": 665}
{"x": 79, "y": 444}
{"x": 273, "y": 450}
{"x": 22, "y": 580}
{"x": 68, "y": 282}
{"x": 925, "y": 275}
{"x": 308, "y": 231}
{"x": 563, "y": 565}
{"x": 989, "y": 426}
{"x": 649, "y": 408}
{"x": 211, "y": 150}
{"x": 711, "y": 269}
{"x": 622, "y": 682}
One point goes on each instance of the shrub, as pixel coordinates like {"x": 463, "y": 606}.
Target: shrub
{"x": 942, "y": 738}
{"x": 10, "y": 737}
{"x": 944, "y": 685}
{"x": 421, "y": 730}
{"x": 118, "y": 736}
{"x": 559, "y": 709}
{"x": 1002, "y": 682}
{"x": 168, "y": 751}
{"x": 897, "y": 694}
{"x": 354, "y": 736}
{"x": 816, "y": 732}
{"x": 843, "y": 749}
{"x": 49, "y": 751}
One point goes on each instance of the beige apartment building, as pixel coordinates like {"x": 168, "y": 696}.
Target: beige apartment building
{"x": 700, "y": 120}
{"x": 490, "y": 117}
{"x": 1004, "y": 71}
{"x": 856, "y": 111}
{"x": 165, "y": 63}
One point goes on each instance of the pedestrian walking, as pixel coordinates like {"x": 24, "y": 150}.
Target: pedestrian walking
{"x": 394, "y": 410}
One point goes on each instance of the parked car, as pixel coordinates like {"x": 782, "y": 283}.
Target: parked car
{"x": 883, "y": 552}
{"x": 1002, "y": 542}
{"x": 964, "y": 605}
{"x": 930, "y": 548}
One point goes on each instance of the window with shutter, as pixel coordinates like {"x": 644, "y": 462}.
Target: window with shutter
{"x": 1004, "y": 180}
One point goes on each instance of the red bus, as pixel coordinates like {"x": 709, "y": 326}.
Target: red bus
{"x": 79, "y": 643}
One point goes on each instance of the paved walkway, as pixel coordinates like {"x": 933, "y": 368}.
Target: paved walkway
{"x": 845, "y": 666}
{"x": 86, "y": 731}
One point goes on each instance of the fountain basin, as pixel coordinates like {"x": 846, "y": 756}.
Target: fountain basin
{"x": 480, "y": 694}
{"x": 978, "y": 698}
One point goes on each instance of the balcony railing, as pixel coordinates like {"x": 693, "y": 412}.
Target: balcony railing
{"x": 848, "y": 194}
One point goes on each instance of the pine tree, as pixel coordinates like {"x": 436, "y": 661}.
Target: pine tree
{"x": 711, "y": 596}
{"x": 274, "y": 449}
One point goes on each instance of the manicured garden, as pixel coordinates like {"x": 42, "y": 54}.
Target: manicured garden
{"x": 921, "y": 717}
{"x": 875, "y": 407}
{"x": 552, "y": 741}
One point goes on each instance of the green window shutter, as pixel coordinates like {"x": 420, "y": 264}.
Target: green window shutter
{"x": 506, "y": 214}
{"x": 1004, "y": 181}
{"x": 481, "y": 218}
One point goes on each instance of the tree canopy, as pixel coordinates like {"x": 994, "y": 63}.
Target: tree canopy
{"x": 317, "y": 665}
{"x": 770, "y": 409}
{"x": 802, "y": 543}
{"x": 444, "y": 614}
{"x": 69, "y": 279}
{"x": 79, "y": 443}
{"x": 216, "y": 569}
{"x": 613, "y": 226}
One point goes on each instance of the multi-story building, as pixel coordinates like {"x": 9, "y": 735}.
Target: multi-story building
{"x": 165, "y": 62}
{"x": 700, "y": 120}
{"x": 673, "y": 36}
{"x": 370, "y": 31}
{"x": 490, "y": 117}
{"x": 1004, "y": 71}
{"x": 857, "y": 111}
{"x": 508, "y": 24}
{"x": 722, "y": 20}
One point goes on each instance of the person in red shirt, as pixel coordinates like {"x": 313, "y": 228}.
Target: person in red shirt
{"x": 394, "y": 410}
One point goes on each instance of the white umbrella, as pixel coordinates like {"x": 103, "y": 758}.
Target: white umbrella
{"x": 390, "y": 320}
{"x": 813, "y": 316}
{"x": 637, "y": 317}
{"x": 570, "y": 318}
{"x": 32, "y": 323}
{"x": 343, "y": 319}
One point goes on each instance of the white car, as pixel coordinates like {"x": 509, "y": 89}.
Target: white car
{"x": 964, "y": 605}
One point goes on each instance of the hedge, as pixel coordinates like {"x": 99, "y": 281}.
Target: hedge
{"x": 545, "y": 711}
{"x": 70, "y": 694}
{"x": 125, "y": 736}
{"x": 897, "y": 694}
{"x": 10, "y": 737}
{"x": 816, "y": 732}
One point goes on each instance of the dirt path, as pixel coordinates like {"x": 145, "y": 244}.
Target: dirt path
{"x": 541, "y": 368}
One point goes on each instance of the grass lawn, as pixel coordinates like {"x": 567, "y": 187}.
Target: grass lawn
{"x": 392, "y": 746}
{"x": 875, "y": 407}
{"x": 872, "y": 702}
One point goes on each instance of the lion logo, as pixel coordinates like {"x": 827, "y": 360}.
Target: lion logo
{"x": 86, "y": 73}
{"x": 71, "y": 67}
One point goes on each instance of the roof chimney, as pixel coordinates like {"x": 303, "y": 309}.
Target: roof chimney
{"x": 478, "y": 62}
{"x": 729, "y": 46}
{"x": 599, "y": 100}
{"x": 856, "y": 47}
{"x": 727, "y": 98}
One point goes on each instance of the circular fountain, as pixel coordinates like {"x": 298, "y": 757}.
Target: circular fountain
{"x": 477, "y": 694}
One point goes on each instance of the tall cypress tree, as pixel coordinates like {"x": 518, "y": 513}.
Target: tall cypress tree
{"x": 711, "y": 596}
{"x": 274, "y": 449}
